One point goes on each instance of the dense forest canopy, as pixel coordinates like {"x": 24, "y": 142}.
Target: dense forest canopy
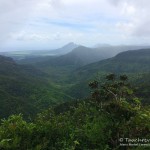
{"x": 112, "y": 112}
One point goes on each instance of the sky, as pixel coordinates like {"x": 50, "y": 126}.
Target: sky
{"x": 49, "y": 24}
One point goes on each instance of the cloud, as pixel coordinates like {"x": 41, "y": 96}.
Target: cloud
{"x": 137, "y": 12}
{"x": 143, "y": 29}
{"x": 114, "y": 2}
{"x": 62, "y": 21}
{"x": 24, "y": 36}
{"x": 14, "y": 14}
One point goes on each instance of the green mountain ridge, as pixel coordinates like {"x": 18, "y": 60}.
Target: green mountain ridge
{"x": 130, "y": 62}
{"x": 79, "y": 55}
{"x": 135, "y": 63}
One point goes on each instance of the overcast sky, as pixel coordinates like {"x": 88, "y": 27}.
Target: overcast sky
{"x": 47, "y": 24}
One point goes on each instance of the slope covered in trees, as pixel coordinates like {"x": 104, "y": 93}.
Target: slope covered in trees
{"x": 25, "y": 89}
{"x": 103, "y": 121}
{"x": 71, "y": 69}
{"x": 135, "y": 63}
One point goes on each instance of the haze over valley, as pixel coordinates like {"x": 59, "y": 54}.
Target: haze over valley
{"x": 59, "y": 74}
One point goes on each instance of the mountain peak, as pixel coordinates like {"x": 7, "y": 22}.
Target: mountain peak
{"x": 66, "y": 48}
{"x": 70, "y": 45}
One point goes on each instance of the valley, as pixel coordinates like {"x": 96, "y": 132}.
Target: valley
{"x": 84, "y": 90}
{"x": 48, "y": 81}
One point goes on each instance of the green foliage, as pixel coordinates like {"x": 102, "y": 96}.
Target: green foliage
{"x": 75, "y": 129}
{"x": 26, "y": 90}
{"x": 15, "y": 133}
{"x": 83, "y": 126}
{"x": 129, "y": 118}
{"x": 113, "y": 88}
{"x": 97, "y": 123}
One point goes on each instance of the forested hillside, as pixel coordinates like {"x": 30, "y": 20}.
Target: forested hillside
{"x": 134, "y": 63}
{"x": 24, "y": 89}
{"x": 106, "y": 120}
{"x": 130, "y": 61}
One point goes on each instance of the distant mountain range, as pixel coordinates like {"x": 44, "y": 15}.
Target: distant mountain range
{"x": 65, "y": 49}
{"x": 100, "y": 51}
{"x": 133, "y": 61}
{"x": 78, "y": 57}
{"x": 18, "y": 55}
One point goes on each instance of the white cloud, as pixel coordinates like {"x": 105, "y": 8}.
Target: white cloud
{"x": 137, "y": 12}
{"x": 82, "y": 21}
{"x": 24, "y": 36}
{"x": 126, "y": 27}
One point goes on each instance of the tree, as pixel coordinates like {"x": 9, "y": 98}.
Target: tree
{"x": 113, "y": 88}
